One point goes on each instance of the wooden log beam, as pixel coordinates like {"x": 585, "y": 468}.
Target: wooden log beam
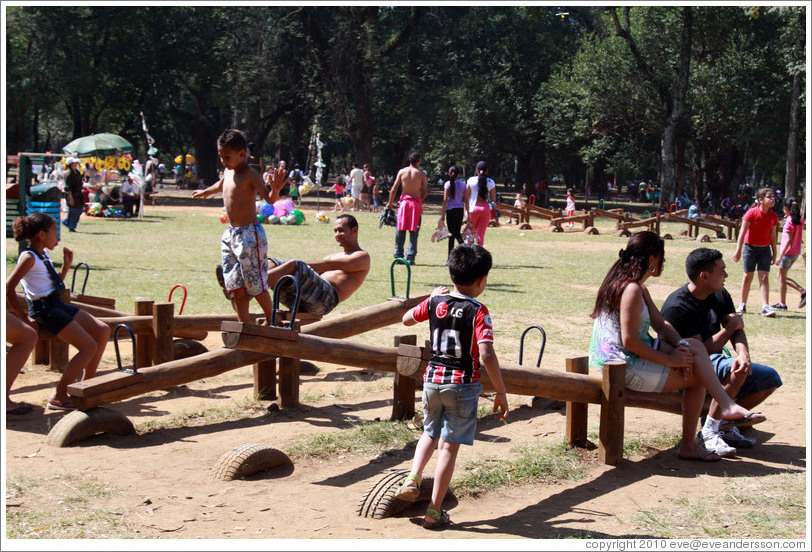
{"x": 364, "y": 320}
{"x": 695, "y": 222}
{"x": 212, "y": 363}
{"x": 519, "y": 380}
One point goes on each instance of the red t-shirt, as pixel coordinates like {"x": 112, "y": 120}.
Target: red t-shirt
{"x": 761, "y": 224}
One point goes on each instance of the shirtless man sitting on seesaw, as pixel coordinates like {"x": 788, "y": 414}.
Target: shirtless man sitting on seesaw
{"x": 325, "y": 283}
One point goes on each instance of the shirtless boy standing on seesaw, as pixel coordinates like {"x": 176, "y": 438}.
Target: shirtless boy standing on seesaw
{"x": 244, "y": 247}
{"x": 325, "y": 283}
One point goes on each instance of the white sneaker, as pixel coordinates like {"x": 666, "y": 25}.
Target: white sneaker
{"x": 768, "y": 311}
{"x": 741, "y": 309}
{"x": 734, "y": 438}
{"x": 714, "y": 442}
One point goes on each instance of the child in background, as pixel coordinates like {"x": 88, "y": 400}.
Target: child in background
{"x": 243, "y": 247}
{"x": 791, "y": 241}
{"x": 377, "y": 199}
{"x": 461, "y": 336}
{"x": 570, "y": 206}
{"x": 43, "y": 289}
{"x": 756, "y": 248}
{"x": 338, "y": 189}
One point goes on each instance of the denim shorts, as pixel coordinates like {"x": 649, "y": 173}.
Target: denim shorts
{"x": 52, "y": 314}
{"x": 449, "y": 411}
{"x": 761, "y": 379}
{"x": 787, "y": 261}
{"x": 753, "y": 256}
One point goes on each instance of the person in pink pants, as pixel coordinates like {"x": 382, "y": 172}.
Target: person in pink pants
{"x": 480, "y": 192}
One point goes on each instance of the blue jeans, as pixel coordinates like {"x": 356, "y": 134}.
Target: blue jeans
{"x": 73, "y": 217}
{"x": 400, "y": 239}
{"x": 761, "y": 379}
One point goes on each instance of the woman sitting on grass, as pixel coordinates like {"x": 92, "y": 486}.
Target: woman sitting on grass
{"x": 623, "y": 314}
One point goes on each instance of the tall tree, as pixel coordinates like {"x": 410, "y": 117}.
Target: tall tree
{"x": 671, "y": 86}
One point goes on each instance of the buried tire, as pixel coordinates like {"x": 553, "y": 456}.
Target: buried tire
{"x": 379, "y": 501}
{"x": 248, "y": 459}
{"x": 81, "y": 424}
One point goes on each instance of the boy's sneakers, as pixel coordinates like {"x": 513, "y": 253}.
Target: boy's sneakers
{"x": 734, "y": 438}
{"x": 741, "y": 309}
{"x": 780, "y": 306}
{"x": 767, "y": 311}
{"x": 714, "y": 443}
{"x": 802, "y": 304}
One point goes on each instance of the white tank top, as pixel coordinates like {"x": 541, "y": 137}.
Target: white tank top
{"x": 37, "y": 283}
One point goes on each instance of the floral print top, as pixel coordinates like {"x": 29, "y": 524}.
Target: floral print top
{"x": 606, "y": 343}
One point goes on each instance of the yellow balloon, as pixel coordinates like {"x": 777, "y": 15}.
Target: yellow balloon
{"x": 110, "y": 162}
{"x": 126, "y": 166}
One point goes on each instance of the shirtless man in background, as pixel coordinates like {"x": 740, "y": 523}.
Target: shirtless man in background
{"x": 410, "y": 206}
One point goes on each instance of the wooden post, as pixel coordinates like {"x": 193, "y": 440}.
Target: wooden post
{"x": 613, "y": 402}
{"x": 657, "y": 224}
{"x": 42, "y": 351}
{"x": 577, "y": 412}
{"x": 403, "y": 403}
{"x": 289, "y": 372}
{"x": 144, "y": 343}
{"x": 163, "y": 326}
{"x": 265, "y": 379}
{"x": 58, "y": 349}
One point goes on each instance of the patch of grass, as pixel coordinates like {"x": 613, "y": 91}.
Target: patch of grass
{"x": 75, "y": 515}
{"x": 364, "y": 438}
{"x": 764, "y": 507}
{"x": 244, "y": 408}
{"x": 533, "y": 462}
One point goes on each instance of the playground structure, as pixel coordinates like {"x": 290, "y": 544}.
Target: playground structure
{"x": 624, "y": 220}
{"x": 325, "y": 340}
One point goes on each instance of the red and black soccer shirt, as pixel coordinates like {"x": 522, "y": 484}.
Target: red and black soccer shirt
{"x": 458, "y": 324}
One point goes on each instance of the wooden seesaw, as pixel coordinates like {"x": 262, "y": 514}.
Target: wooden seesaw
{"x": 90, "y": 394}
{"x": 575, "y": 386}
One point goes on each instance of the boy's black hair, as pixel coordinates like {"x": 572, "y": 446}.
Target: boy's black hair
{"x": 701, "y": 260}
{"x": 352, "y": 222}
{"x": 469, "y": 262}
{"x": 414, "y": 157}
{"x": 234, "y": 139}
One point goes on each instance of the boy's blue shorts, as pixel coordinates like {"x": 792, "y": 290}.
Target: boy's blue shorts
{"x": 449, "y": 411}
{"x": 761, "y": 379}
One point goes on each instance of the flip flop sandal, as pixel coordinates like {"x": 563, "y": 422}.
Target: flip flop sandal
{"x": 441, "y": 520}
{"x": 748, "y": 421}
{"x": 410, "y": 489}
{"x": 60, "y": 405}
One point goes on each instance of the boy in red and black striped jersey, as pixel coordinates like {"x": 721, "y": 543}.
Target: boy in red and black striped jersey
{"x": 461, "y": 339}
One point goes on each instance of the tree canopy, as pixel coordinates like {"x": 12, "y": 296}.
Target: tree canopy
{"x": 697, "y": 97}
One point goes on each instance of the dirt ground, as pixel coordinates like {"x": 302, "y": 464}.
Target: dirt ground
{"x": 161, "y": 482}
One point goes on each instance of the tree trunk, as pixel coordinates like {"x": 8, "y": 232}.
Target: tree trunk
{"x": 791, "y": 175}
